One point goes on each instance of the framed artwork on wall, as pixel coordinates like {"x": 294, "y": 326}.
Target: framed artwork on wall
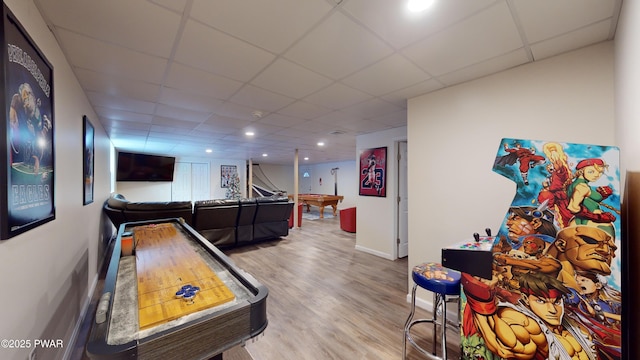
{"x": 27, "y": 167}
{"x": 373, "y": 172}
{"x": 87, "y": 164}
{"x": 227, "y": 172}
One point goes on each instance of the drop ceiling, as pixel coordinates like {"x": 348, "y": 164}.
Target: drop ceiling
{"x": 176, "y": 77}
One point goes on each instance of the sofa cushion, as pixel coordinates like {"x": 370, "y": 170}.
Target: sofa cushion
{"x": 117, "y": 201}
{"x": 158, "y": 205}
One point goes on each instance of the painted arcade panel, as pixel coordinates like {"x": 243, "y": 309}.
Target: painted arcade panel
{"x": 555, "y": 286}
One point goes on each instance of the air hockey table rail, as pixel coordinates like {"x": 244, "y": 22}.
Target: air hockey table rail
{"x": 202, "y": 335}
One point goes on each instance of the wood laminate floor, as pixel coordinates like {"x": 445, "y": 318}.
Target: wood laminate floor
{"x": 328, "y": 300}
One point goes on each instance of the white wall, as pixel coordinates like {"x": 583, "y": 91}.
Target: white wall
{"x": 280, "y": 175}
{"x": 454, "y": 136}
{"x": 347, "y": 181}
{"x": 161, "y": 191}
{"x": 627, "y": 75}
{"x": 46, "y": 273}
{"x": 376, "y": 216}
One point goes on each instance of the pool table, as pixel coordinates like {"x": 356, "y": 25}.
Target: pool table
{"x": 176, "y": 296}
{"x": 320, "y": 200}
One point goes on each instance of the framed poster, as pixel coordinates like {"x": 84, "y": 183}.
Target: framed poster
{"x": 87, "y": 164}
{"x": 373, "y": 172}
{"x": 27, "y": 167}
{"x": 226, "y": 173}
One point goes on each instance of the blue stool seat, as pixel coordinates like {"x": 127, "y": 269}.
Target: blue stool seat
{"x": 445, "y": 285}
{"x": 436, "y": 278}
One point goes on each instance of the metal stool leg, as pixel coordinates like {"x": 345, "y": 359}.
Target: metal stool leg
{"x": 443, "y": 326}
{"x": 434, "y": 311}
{"x": 407, "y": 324}
{"x": 439, "y": 305}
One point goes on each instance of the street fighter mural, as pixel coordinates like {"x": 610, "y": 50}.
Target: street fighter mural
{"x": 555, "y": 289}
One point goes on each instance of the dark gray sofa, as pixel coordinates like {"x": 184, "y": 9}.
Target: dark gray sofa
{"x": 120, "y": 210}
{"x": 225, "y": 223}
{"x": 216, "y": 220}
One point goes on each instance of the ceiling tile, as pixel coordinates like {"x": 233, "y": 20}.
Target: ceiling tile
{"x": 371, "y": 108}
{"x": 560, "y": 16}
{"x": 208, "y": 49}
{"x": 387, "y": 75}
{"x": 216, "y": 129}
{"x": 193, "y": 80}
{"x": 273, "y": 25}
{"x": 484, "y": 68}
{"x": 287, "y": 78}
{"x": 400, "y": 97}
{"x": 122, "y": 115}
{"x": 117, "y": 86}
{"x": 180, "y": 113}
{"x": 178, "y": 130}
{"x": 119, "y": 103}
{"x": 260, "y": 99}
{"x": 174, "y": 123}
{"x": 484, "y": 36}
{"x": 188, "y": 100}
{"x": 574, "y": 40}
{"x": 337, "y": 96}
{"x": 174, "y": 5}
{"x": 95, "y": 19}
{"x": 304, "y": 110}
{"x": 338, "y": 47}
{"x": 281, "y": 120}
{"x": 396, "y": 25}
{"x": 87, "y": 53}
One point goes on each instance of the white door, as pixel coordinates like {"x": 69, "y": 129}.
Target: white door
{"x": 191, "y": 182}
{"x": 403, "y": 201}
{"x": 181, "y": 185}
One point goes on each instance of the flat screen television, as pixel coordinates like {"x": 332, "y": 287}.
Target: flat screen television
{"x": 144, "y": 167}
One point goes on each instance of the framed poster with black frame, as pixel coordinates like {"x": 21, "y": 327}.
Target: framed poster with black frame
{"x": 87, "y": 165}
{"x": 373, "y": 172}
{"x": 226, "y": 173}
{"x": 27, "y": 167}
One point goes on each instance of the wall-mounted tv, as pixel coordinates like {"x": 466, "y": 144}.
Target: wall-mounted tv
{"x": 144, "y": 167}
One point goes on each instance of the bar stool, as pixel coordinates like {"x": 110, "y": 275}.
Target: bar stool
{"x": 445, "y": 285}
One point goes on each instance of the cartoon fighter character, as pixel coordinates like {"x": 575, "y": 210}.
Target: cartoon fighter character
{"x": 597, "y": 299}
{"x": 527, "y": 220}
{"x": 534, "y": 328}
{"x": 554, "y": 187}
{"x": 584, "y": 201}
{"x": 526, "y": 157}
{"x": 598, "y": 307}
{"x": 527, "y": 260}
{"x": 474, "y": 348}
{"x": 582, "y": 248}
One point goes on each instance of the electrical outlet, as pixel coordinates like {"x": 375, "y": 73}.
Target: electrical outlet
{"x": 32, "y": 354}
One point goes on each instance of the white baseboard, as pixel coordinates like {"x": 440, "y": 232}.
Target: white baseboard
{"x": 83, "y": 312}
{"x": 374, "y": 252}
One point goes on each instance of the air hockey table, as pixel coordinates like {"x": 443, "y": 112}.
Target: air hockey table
{"x": 169, "y": 294}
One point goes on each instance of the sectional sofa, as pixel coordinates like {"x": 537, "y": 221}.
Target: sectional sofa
{"x": 225, "y": 223}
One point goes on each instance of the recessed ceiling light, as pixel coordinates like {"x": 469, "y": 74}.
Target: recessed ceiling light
{"x": 419, "y": 5}
{"x": 320, "y": 143}
{"x": 306, "y": 158}
{"x": 249, "y": 133}
{"x": 264, "y": 155}
{"x": 209, "y": 151}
